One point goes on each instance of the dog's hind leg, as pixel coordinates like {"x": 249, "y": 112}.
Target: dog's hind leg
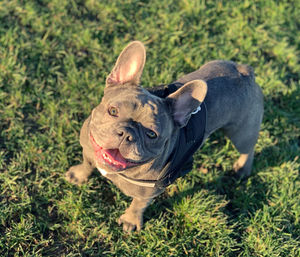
{"x": 244, "y": 139}
{"x": 243, "y": 165}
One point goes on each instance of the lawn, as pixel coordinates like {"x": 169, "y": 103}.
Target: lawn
{"x": 54, "y": 59}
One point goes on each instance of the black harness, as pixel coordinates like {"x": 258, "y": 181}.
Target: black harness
{"x": 189, "y": 140}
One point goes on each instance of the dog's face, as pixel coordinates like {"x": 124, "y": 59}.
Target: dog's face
{"x": 131, "y": 127}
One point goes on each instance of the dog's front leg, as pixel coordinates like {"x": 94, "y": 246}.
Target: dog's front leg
{"x": 133, "y": 216}
{"x": 79, "y": 174}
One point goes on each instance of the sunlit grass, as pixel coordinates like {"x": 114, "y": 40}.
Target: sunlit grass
{"x": 54, "y": 58}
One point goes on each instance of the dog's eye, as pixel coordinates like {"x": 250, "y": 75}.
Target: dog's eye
{"x": 151, "y": 134}
{"x": 113, "y": 111}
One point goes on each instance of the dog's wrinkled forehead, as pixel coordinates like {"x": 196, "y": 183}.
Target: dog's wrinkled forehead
{"x": 137, "y": 104}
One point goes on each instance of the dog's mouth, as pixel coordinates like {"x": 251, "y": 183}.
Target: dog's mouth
{"x": 111, "y": 157}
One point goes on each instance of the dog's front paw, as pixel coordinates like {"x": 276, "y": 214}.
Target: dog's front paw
{"x": 76, "y": 175}
{"x": 131, "y": 222}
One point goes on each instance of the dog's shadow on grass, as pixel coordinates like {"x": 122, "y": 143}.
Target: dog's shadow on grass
{"x": 241, "y": 198}
{"x": 244, "y": 197}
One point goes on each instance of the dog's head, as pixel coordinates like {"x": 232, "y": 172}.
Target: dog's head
{"x": 131, "y": 127}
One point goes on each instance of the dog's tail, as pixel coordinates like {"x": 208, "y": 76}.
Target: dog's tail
{"x": 246, "y": 71}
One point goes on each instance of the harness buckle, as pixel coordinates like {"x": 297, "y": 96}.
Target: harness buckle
{"x": 197, "y": 110}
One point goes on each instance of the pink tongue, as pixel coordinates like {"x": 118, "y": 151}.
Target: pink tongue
{"x": 113, "y": 154}
{"x": 116, "y": 156}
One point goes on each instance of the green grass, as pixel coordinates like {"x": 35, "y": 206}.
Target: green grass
{"x": 54, "y": 58}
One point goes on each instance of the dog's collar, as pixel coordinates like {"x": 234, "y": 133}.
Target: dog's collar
{"x": 138, "y": 182}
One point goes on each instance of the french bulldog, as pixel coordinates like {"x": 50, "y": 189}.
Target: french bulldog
{"x": 143, "y": 140}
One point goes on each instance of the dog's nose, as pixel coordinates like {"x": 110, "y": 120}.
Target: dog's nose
{"x": 129, "y": 138}
{"x": 126, "y": 134}
{"x": 120, "y": 133}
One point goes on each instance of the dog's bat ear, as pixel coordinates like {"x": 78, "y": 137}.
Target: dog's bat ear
{"x": 129, "y": 66}
{"x": 186, "y": 100}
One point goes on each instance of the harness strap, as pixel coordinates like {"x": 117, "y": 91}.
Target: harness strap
{"x": 139, "y": 182}
{"x": 180, "y": 166}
